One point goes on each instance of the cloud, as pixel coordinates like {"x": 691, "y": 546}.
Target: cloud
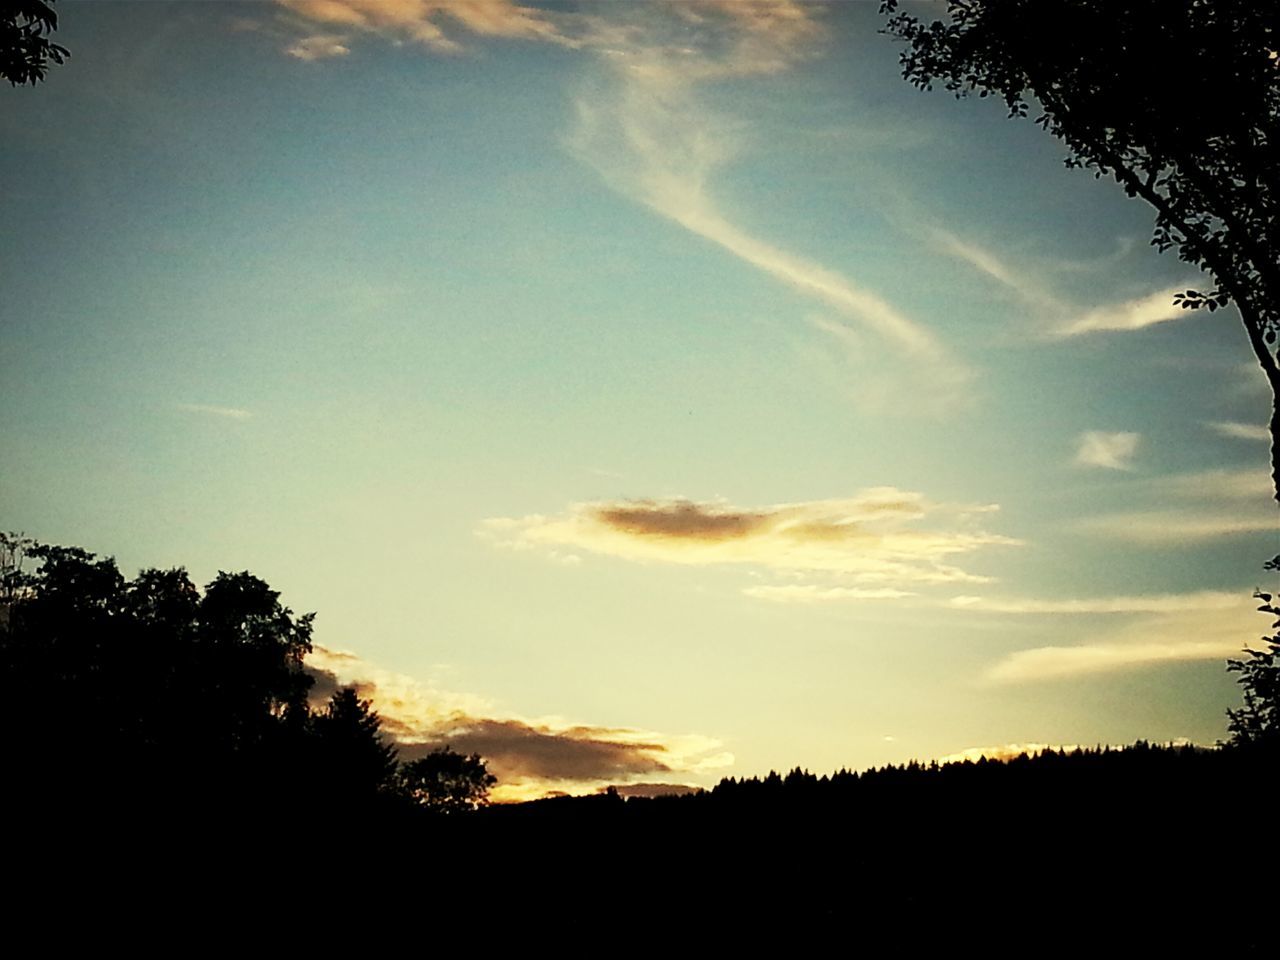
{"x": 421, "y": 21}
{"x": 1131, "y": 315}
{"x": 986, "y": 262}
{"x": 525, "y": 751}
{"x": 1217, "y": 503}
{"x": 812, "y": 593}
{"x": 880, "y": 535}
{"x": 644, "y": 129}
{"x": 1066, "y": 318}
{"x": 649, "y": 136}
{"x": 530, "y": 758}
{"x": 655, "y": 789}
{"x": 1151, "y": 603}
{"x": 1112, "y": 451}
{"x": 1217, "y": 485}
{"x": 1011, "y": 751}
{"x": 318, "y": 47}
{"x": 1004, "y": 751}
{"x": 230, "y": 413}
{"x": 1187, "y": 635}
{"x": 1239, "y": 431}
{"x": 1176, "y": 527}
{"x": 1048, "y": 663}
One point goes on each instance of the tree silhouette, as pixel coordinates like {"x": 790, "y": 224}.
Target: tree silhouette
{"x": 25, "y": 48}
{"x": 356, "y": 764}
{"x": 1178, "y": 100}
{"x": 159, "y": 691}
{"x": 445, "y": 781}
{"x": 1258, "y": 721}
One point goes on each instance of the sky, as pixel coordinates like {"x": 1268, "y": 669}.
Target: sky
{"x": 639, "y": 393}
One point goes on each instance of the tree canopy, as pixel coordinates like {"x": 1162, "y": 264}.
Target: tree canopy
{"x": 1178, "y": 100}
{"x": 25, "y": 48}
{"x": 149, "y": 697}
{"x": 445, "y": 781}
{"x": 1258, "y": 720}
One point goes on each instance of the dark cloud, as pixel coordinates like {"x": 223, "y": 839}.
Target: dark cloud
{"x": 325, "y": 684}
{"x": 513, "y": 749}
{"x": 654, "y": 789}
{"x": 681, "y": 520}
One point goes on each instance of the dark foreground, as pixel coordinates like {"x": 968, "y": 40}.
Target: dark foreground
{"x": 1098, "y": 853}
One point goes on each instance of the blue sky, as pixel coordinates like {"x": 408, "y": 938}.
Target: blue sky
{"x": 638, "y": 392}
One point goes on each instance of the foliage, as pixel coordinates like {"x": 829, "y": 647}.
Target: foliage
{"x": 445, "y": 781}
{"x": 357, "y": 759}
{"x": 135, "y": 671}
{"x": 25, "y": 48}
{"x": 1178, "y": 100}
{"x": 168, "y": 695}
{"x": 1258, "y": 721}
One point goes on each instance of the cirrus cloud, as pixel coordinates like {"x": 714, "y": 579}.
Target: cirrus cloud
{"x": 1209, "y": 633}
{"x": 1145, "y": 311}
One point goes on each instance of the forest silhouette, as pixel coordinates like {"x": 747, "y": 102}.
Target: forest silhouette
{"x": 158, "y": 719}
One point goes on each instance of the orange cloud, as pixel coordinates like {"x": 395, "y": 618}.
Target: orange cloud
{"x": 530, "y": 758}
{"x": 419, "y": 21}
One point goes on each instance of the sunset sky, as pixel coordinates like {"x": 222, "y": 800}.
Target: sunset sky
{"x": 640, "y": 393}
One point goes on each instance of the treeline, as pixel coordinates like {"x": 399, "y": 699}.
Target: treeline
{"x": 1086, "y": 784}
{"x": 151, "y": 723}
{"x": 1093, "y": 852}
{"x": 149, "y": 702}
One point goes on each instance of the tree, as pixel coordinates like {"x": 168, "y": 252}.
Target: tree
{"x": 356, "y": 763}
{"x": 156, "y": 690}
{"x": 445, "y": 781}
{"x": 25, "y": 48}
{"x": 1178, "y": 100}
{"x": 1258, "y": 721}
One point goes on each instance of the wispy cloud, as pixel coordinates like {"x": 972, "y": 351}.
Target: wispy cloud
{"x": 1145, "y": 311}
{"x": 1064, "y": 318}
{"x": 881, "y": 535}
{"x": 1239, "y": 431}
{"x": 1159, "y": 527}
{"x": 1217, "y": 486}
{"x": 530, "y": 757}
{"x": 1198, "y": 506}
{"x": 984, "y": 261}
{"x": 1210, "y": 633}
{"x": 1111, "y": 451}
{"x": 650, "y": 137}
{"x": 422, "y": 21}
{"x": 813, "y": 593}
{"x": 230, "y": 413}
{"x": 1048, "y": 663}
{"x": 643, "y": 127}
{"x": 1150, "y": 603}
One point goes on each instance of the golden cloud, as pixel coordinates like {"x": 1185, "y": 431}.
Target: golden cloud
{"x": 419, "y": 21}
{"x": 530, "y": 758}
{"x": 880, "y": 535}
